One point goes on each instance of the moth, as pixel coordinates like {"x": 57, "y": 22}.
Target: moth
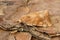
{"x": 39, "y": 18}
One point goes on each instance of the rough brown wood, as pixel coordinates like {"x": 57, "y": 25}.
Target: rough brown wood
{"x": 23, "y": 36}
{"x": 34, "y": 5}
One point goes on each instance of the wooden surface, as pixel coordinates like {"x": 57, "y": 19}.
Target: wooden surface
{"x": 13, "y": 12}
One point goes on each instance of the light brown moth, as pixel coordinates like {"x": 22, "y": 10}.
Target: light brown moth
{"x": 39, "y": 18}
